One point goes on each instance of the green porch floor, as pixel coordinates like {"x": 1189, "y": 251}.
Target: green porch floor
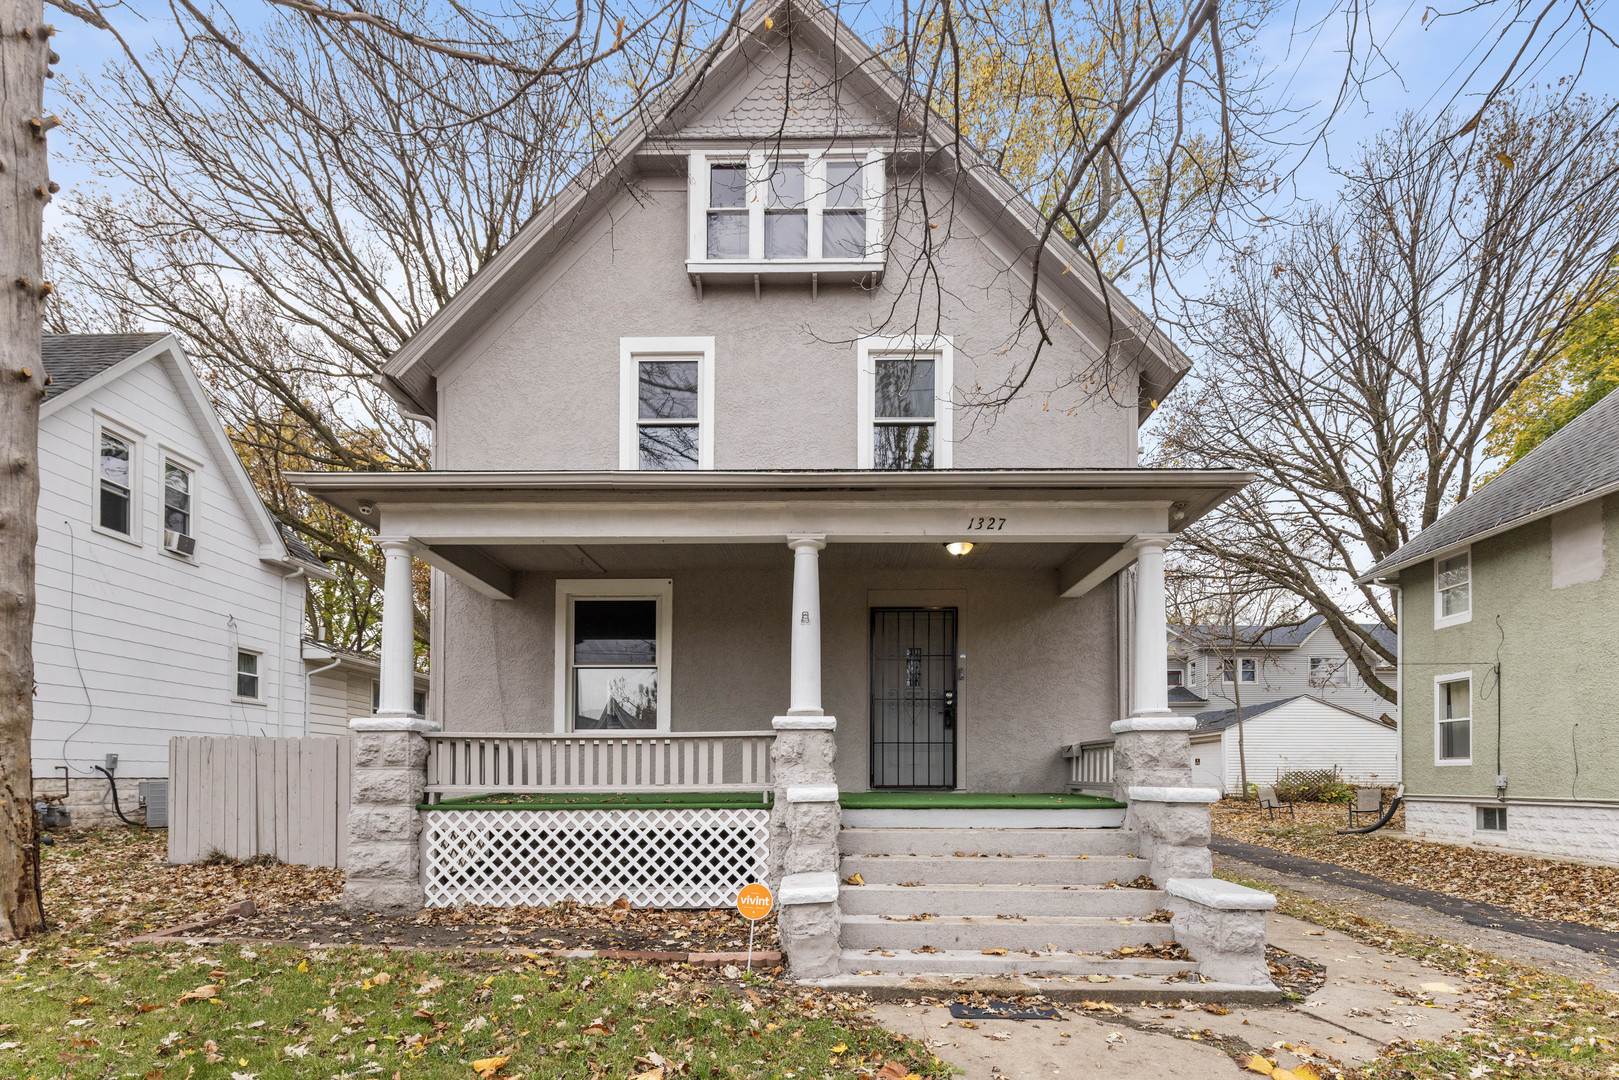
{"x": 725, "y": 800}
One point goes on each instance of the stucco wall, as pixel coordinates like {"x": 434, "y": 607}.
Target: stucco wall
{"x": 1555, "y": 648}
{"x": 1039, "y": 670}
{"x": 538, "y": 388}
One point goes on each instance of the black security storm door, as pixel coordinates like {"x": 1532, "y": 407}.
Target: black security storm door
{"x": 913, "y": 697}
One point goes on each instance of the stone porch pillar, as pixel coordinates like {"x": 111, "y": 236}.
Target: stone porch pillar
{"x": 805, "y": 820}
{"x": 384, "y": 871}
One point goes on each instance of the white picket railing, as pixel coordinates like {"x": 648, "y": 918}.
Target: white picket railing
{"x": 466, "y": 763}
{"x": 1090, "y": 766}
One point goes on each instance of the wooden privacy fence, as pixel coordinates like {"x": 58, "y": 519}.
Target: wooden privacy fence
{"x": 463, "y": 763}
{"x": 243, "y": 796}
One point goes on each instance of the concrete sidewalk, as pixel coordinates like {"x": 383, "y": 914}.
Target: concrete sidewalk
{"x": 1369, "y": 998}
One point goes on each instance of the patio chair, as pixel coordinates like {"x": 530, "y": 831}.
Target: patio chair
{"x": 1270, "y": 803}
{"x": 1368, "y": 800}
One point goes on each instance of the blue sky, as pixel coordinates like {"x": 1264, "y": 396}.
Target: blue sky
{"x": 1424, "y": 67}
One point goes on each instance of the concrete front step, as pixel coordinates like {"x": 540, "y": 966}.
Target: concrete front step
{"x": 998, "y": 870}
{"x": 971, "y": 934}
{"x": 975, "y": 818}
{"x": 992, "y": 842}
{"x": 965, "y": 962}
{"x": 992, "y": 900}
{"x": 1059, "y": 988}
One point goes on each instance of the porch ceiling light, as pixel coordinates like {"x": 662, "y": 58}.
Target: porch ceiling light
{"x": 959, "y": 547}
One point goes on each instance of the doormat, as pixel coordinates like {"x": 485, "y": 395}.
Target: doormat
{"x": 1003, "y": 1010}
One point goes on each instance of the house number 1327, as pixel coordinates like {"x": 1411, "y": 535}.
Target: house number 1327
{"x": 987, "y": 523}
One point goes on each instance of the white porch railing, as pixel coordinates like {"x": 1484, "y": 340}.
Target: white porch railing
{"x": 1090, "y": 766}
{"x": 465, "y": 763}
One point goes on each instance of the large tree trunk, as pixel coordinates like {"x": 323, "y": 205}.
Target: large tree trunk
{"x": 24, "y": 55}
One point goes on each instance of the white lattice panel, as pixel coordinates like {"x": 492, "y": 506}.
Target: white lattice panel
{"x": 692, "y": 858}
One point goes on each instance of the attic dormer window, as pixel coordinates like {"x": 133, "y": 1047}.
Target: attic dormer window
{"x": 805, "y": 213}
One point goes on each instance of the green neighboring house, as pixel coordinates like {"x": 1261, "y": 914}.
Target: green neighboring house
{"x": 1509, "y": 610}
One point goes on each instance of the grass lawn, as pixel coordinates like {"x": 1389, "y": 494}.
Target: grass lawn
{"x": 75, "y": 1004}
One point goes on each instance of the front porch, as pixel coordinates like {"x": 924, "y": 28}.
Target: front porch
{"x": 641, "y": 764}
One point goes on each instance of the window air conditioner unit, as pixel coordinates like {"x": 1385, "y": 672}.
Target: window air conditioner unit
{"x": 179, "y": 542}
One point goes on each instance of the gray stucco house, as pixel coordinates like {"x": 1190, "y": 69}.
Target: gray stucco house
{"x": 1509, "y": 609}
{"x": 731, "y": 580}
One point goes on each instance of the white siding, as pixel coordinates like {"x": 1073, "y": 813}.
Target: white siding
{"x": 1208, "y": 763}
{"x": 360, "y": 693}
{"x": 1308, "y": 734}
{"x": 132, "y": 645}
{"x": 329, "y": 703}
{"x": 1285, "y": 673}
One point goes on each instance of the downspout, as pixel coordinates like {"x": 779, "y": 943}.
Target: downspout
{"x": 281, "y": 652}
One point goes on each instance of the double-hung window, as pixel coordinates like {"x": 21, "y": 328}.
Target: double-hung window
{"x": 904, "y": 401}
{"x": 666, "y": 403}
{"x": 1453, "y": 719}
{"x": 613, "y": 655}
{"x": 1453, "y": 589}
{"x": 1250, "y": 670}
{"x": 247, "y": 675}
{"x": 115, "y": 508}
{"x": 727, "y": 215}
{"x": 1325, "y": 671}
{"x": 176, "y": 499}
{"x": 790, "y": 210}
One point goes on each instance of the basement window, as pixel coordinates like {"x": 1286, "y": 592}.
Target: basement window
{"x": 1492, "y": 819}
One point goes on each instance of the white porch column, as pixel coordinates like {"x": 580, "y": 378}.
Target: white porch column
{"x": 805, "y": 818}
{"x": 1150, "y": 682}
{"x": 397, "y": 677}
{"x": 805, "y": 695}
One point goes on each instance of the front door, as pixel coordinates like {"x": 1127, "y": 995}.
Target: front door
{"x": 913, "y": 697}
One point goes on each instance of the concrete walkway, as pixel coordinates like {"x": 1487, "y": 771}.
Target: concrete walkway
{"x": 1369, "y": 997}
{"x": 1552, "y": 953}
{"x": 1588, "y": 939}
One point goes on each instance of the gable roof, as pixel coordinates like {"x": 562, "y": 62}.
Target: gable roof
{"x": 862, "y": 75}
{"x": 70, "y": 359}
{"x": 90, "y": 361}
{"x": 1220, "y": 719}
{"x": 1284, "y": 636}
{"x": 1577, "y": 464}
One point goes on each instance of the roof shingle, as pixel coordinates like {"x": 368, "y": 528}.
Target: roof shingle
{"x": 70, "y": 359}
{"x": 1579, "y": 461}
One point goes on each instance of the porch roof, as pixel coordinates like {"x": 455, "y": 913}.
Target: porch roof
{"x": 483, "y": 527}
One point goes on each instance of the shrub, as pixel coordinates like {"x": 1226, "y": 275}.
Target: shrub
{"x": 1314, "y": 785}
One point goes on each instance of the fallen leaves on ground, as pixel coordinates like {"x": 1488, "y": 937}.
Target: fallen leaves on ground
{"x": 118, "y": 881}
{"x": 1544, "y": 888}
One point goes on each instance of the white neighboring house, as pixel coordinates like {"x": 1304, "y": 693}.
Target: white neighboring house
{"x": 344, "y": 684}
{"x": 169, "y": 601}
{"x": 1293, "y": 733}
{"x": 1272, "y": 663}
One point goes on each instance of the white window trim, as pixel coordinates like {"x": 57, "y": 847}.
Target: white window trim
{"x": 631, "y": 351}
{"x": 570, "y": 589}
{"x": 137, "y": 476}
{"x": 236, "y": 671}
{"x": 943, "y": 388}
{"x": 758, "y": 162}
{"x": 1439, "y": 717}
{"x": 1440, "y": 620}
